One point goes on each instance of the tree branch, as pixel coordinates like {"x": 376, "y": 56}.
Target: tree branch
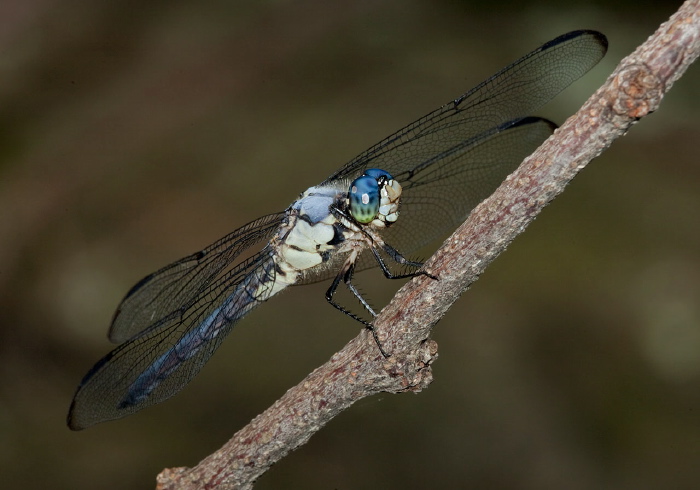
{"x": 634, "y": 90}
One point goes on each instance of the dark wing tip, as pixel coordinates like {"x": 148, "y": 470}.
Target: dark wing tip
{"x": 524, "y": 121}
{"x": 599, "y": 37}
{"x": 112, "y": 335}
{"x": 72, "y": 421}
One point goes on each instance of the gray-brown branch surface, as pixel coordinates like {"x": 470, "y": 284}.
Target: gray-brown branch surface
{"x": 634, "y": 90}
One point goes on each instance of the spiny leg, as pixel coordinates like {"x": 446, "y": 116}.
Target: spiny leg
{"x": 399, "y": 259}
{"x": 373, "y": 240}
{"x": 345, "y": 275}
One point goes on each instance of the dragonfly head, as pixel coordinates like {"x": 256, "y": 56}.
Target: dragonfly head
{"x": 374, "y": 198}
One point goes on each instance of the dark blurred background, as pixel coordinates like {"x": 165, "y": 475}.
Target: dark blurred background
{"x": 134, "y": 133}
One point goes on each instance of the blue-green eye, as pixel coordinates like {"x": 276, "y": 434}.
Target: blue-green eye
{"x": 378, "y": 173}
{"x": 364, "y": 199}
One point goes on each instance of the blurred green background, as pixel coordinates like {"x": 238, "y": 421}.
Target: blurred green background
{"x": 134, "y": 133}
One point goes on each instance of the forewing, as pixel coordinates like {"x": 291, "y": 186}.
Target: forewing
{"x": 511, "y": 94}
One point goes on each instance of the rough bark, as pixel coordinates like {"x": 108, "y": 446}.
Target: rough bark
{"x": 634, "y": 90}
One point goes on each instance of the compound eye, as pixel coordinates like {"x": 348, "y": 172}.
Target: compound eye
{"x": 378, "y": 174}
{"x": 364, "y": 199}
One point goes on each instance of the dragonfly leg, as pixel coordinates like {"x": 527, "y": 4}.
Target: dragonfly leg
{"x": 400, "y": 259}
{"x": 345, "y": 275}
{"x": 374, "y": 240}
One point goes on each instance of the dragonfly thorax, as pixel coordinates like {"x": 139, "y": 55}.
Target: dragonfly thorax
{"x": 326, "y": 219}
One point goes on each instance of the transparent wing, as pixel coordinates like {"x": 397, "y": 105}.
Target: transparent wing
{"x": 439, "y": 197}
{"x": 176, "y": 287}
{"x": 174, "y": 321}
{"x": 511, "y": 94}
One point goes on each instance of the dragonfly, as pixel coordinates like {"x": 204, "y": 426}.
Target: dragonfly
{"x": 389, "y": 201}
